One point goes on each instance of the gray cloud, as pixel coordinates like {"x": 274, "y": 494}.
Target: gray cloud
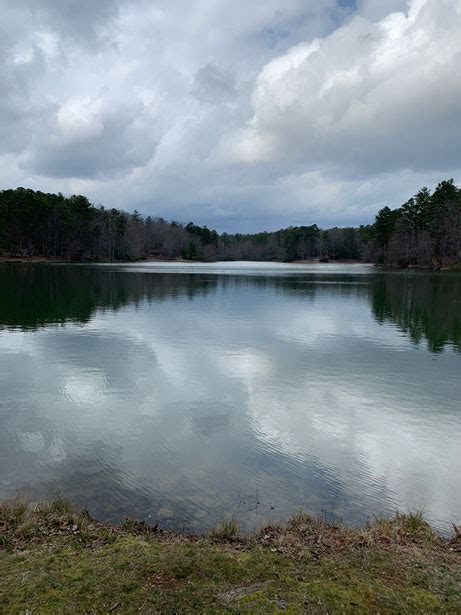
{"x": 91, "y": 138}
{"x": 82, "y": 21}
{"x": 377, "y": 9}
{"x": 294, "y": 112}
{"x": 213, "y": 84}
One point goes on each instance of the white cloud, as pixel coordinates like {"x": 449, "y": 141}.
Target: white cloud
{"x": 368, "y": 98}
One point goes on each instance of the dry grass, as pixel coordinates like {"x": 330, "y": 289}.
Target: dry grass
{"x": 54, "y": 559}
{"x": 308, "y": 536}
{"x": 227, "y": 531}
{"x": 24, "y": 523}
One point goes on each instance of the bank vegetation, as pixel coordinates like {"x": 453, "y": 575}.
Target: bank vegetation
{"x": 56, "y": 560}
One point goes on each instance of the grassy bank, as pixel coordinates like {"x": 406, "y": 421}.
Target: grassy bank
{"x": 55, "y": 560}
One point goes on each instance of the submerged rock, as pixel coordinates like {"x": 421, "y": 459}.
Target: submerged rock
{"x": 165, "y": 513}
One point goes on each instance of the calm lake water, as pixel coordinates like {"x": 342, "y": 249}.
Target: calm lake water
{"x": 183, "y": 393}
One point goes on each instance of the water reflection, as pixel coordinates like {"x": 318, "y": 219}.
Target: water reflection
{"x": 425, "y": 307}
{"x": 185, "y": 396}
{"x": 36, "y": 295}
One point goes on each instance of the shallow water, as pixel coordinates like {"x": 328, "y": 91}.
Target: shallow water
{"x": 183, "y": 393}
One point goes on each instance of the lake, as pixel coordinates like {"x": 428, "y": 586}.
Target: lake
{"x": 182, "y": 393}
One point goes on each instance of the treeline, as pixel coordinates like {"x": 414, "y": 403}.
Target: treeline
{"x": 296, "y": 243}
{"x": 36, "y": 224}
{"x": 71, "y": 228}
{"x": 425, "y": 231}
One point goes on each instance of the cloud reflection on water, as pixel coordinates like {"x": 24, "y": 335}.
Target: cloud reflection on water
{"x": 204, "y": 396}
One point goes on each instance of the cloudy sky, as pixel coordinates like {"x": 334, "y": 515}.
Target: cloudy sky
{"x": 235, "y": 114}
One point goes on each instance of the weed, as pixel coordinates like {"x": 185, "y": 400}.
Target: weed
{"x": 228, "y": 530}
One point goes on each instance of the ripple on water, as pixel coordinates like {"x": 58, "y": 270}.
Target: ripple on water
{"x": 182, "y": 393}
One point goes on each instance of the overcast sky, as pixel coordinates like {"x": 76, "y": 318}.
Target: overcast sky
{"x": 236, "y": 114}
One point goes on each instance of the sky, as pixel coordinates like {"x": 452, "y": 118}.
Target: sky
{"x": 243, "y": 116}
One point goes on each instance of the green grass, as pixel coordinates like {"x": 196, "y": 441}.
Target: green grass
{"x": 227, "y": 531}
{"x": 54, "y": 560}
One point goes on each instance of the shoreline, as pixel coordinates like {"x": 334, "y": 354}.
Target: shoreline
{"x": 153, "y": 259}
{"x": 55, "y": 559}
{"x": 61, "y": 261}
{"x": 43, "y": 259}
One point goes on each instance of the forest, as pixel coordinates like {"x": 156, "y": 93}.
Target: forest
{"x": 425, "y": 231}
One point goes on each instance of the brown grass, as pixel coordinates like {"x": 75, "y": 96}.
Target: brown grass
{"x": 54, "y": 559}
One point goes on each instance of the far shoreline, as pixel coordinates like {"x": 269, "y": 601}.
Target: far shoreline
{"x": 14, "y": 260}
{"x": 57, "y": 260}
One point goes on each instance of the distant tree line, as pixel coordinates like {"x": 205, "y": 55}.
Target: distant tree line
{"x": 425, "y": 231}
